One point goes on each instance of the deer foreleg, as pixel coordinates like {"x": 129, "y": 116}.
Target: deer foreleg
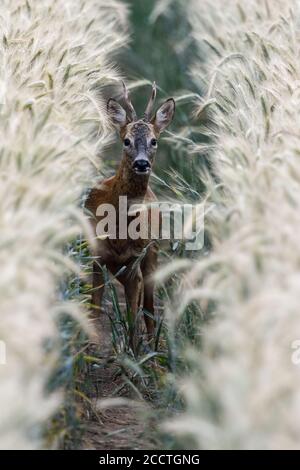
{"x": 132, "y": 285}
{"x": 149, "y": 266}
{"x": 149, "y": 305}
{"x": 98, "y": 288}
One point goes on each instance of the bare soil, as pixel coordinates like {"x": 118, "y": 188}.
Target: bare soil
{"x": 115, "y": 427}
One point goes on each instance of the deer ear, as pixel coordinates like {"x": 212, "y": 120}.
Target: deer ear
{"x": 116, "y": 113}
{"x": 164, "y": 115}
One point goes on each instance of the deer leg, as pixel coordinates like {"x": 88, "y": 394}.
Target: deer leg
{"x": 149, "y": 306}
{"x": 132, "y": 285}
{"x": 98, "y": 288}
{"x": 148, "y": 268}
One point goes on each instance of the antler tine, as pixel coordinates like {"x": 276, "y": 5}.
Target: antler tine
{"x": 128, "y": 102}
{"x": 150, "y": 103}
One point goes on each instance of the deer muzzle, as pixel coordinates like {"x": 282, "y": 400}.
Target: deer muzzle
{"x": 141, "y": 166}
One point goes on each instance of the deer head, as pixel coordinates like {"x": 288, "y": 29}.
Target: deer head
{"x": 140, "y": 136}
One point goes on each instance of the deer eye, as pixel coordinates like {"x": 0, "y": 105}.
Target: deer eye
{"x": 153, "y": 142}
{"x": 126, "y": 142}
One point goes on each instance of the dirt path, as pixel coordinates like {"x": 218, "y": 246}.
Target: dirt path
{"x": 121, "y": 427}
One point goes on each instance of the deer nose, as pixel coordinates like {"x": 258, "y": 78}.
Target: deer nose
{"x": 141, "y": 165}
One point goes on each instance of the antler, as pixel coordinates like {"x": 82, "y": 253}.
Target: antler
{"x": 147, "y": 115}
{"x": 128, "y": 102}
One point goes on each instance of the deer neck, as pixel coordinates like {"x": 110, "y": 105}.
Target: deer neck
{"x": 128, "y": 183}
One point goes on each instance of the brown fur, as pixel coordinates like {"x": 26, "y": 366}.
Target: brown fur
{"x": 137, "y": 277}
{"x": 118, "y": 253}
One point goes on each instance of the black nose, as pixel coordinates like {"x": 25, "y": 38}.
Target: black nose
{"x": 141, "y": 165}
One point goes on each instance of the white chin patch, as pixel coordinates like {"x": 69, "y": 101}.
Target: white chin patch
{"x": 138, "y": 172}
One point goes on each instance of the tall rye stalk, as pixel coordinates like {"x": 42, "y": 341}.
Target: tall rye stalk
{"x": 54, "y": 54}
{"x": 243, "y": 390}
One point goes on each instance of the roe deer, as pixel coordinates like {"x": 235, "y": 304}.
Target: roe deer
{"x": 139, "y": 138}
